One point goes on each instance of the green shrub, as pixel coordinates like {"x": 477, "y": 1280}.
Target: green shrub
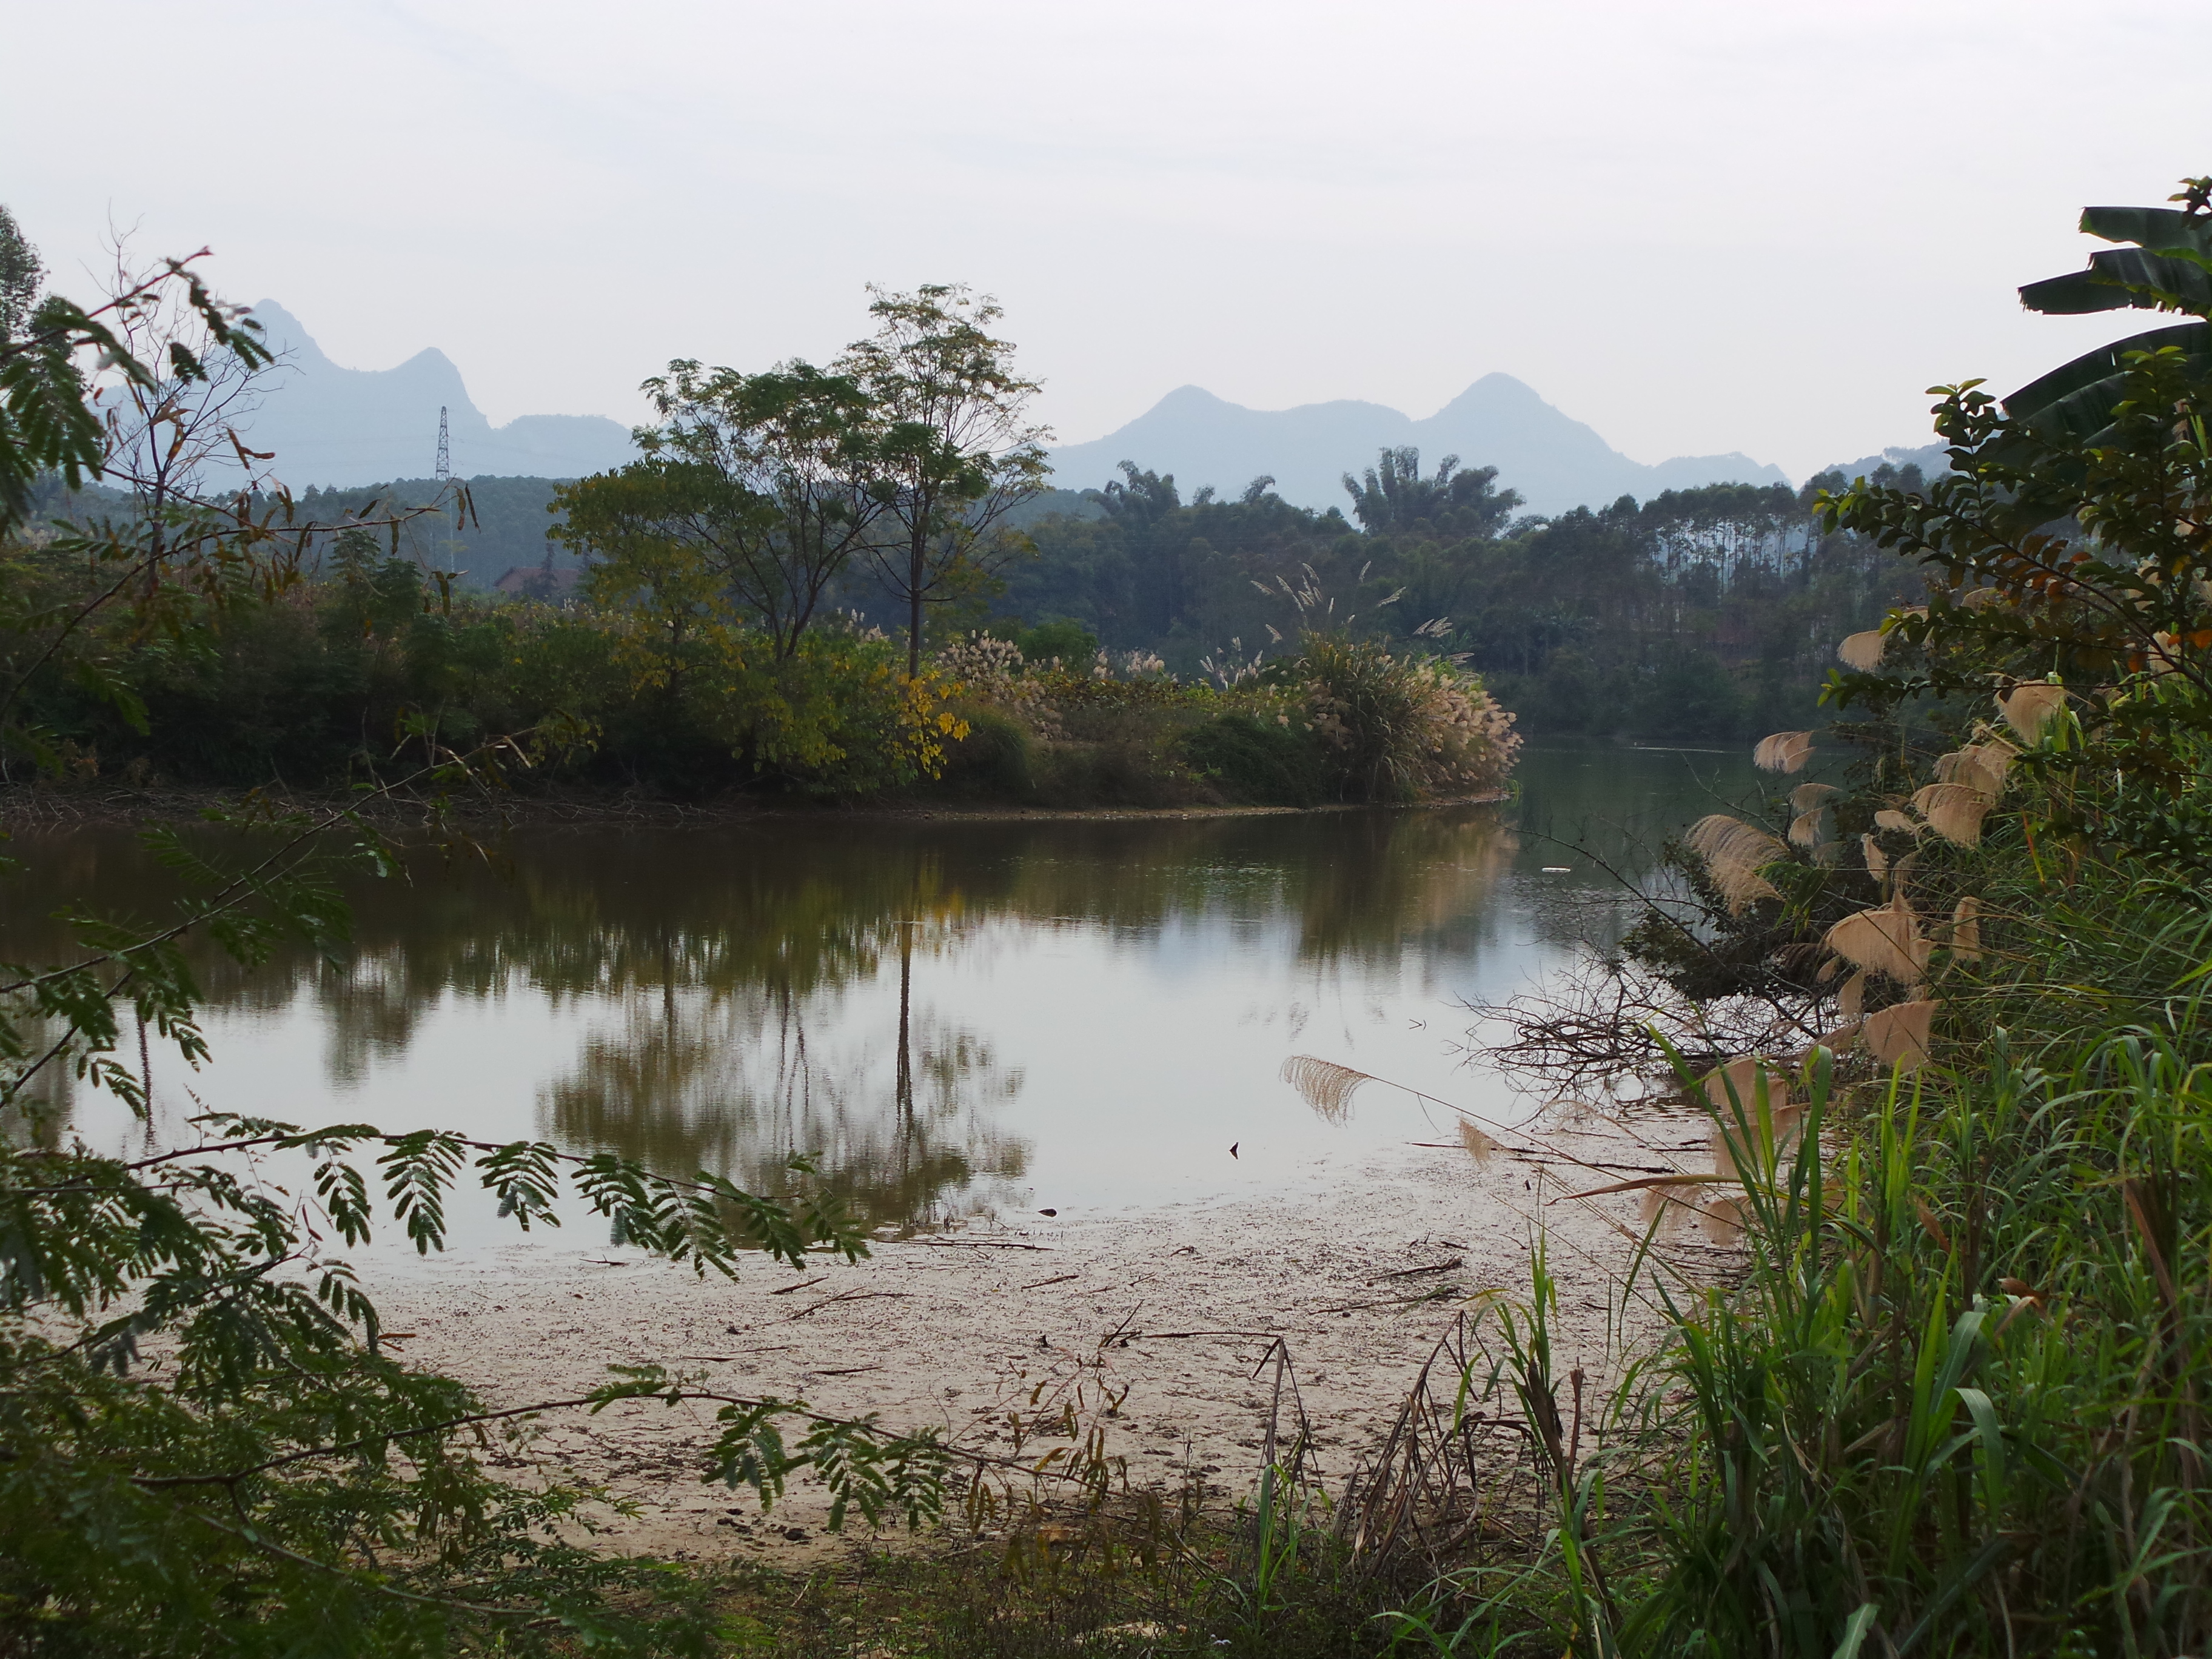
{"x": 1062, "y": 638}
{"x": 1254, "y": 761}
{"x": 1344, "y": 720}
{"x": 1687, "y": 694}
{"x": 997, "y": 760}
{"x": 837, "y": 717}
{"x": 1132, "y": 774}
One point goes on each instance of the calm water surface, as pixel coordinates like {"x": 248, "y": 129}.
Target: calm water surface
{"x": 956, "y": 1017}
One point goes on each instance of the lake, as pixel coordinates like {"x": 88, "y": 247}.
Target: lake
{"x": 956, "y": 1016}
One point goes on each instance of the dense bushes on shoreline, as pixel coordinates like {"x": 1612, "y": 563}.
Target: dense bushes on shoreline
{"x": 1340, "y": 720}
{"x": 338, "y": 678}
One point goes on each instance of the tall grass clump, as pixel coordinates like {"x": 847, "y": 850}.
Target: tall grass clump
{"x": 1950, "y": 1401}
{"x": 1398, "y": 727}
{"x": 1951, "y": 1407}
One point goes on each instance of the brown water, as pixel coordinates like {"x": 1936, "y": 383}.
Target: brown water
{"x": 955, "y": 1018}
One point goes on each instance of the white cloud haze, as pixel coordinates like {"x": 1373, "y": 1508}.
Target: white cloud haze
{"x": 1698, "y": 227}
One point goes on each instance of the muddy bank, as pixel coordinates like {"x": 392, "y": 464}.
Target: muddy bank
{"x": 1166, "y": 1313}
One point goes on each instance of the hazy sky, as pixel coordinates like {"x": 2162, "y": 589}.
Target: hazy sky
{"x": 1698, "y": 227}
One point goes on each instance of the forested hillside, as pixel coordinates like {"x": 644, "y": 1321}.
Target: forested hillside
{"x": 504, "y": 526}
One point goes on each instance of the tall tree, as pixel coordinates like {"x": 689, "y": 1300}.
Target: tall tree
{"x": 1727, "y": 526}
{"x": 956, "y": 450}
{"x": 765, "y": 483}
{"x": 20, "y": 270}
{"x": 1394, "y": 495}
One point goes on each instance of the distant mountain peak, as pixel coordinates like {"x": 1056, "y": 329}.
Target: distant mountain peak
{"x": 1555, "y": 461}
{"x": 281, "y": 332}
{"x": 1496, "y": 387}
{"x": 344, "y": 426}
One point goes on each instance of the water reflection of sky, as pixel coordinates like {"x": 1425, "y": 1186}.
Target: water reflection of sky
{"x": 1094, "y": 1013}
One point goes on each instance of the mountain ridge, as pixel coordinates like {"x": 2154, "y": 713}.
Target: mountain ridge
{"x": 340, "y": 428}
{"x": 334, "y": 427}
{"x": 1555, "y": 461}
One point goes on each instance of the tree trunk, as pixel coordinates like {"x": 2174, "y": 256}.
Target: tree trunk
{"x": 917, "y": 568}
{"x": 905, "y": 1042}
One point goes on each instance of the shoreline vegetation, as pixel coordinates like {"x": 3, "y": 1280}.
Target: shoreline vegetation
{"x": 37, "y": 806}
{"x": 1905, "y": 1332}
{"x": 312, "y": 694}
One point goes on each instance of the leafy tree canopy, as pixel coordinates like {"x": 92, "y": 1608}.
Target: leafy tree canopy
{"x": 1394, "y": 495}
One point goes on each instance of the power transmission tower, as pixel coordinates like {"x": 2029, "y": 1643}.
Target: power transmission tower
{"x": 445, "y": 455}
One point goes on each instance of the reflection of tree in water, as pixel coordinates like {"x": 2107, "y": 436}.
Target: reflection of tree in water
{"x": 372, "y": 1008}
{"x": 708, "y": 967}
{"x": 688, "y": 1078}
{"x": 1399, "y": 879}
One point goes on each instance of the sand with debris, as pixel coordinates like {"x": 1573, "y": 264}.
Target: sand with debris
{"x": 1166, "y": 1317}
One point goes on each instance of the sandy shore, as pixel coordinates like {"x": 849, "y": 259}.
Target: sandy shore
{"x": 1359, "y": 1281}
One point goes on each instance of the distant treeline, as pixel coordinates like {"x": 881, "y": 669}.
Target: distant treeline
{"x": 504, "y": 526}
{"x": 1705, "y": 613}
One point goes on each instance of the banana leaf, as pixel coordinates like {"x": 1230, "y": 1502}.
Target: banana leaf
{"x": 2161, "y": 230}
{"x": 2074, "y": 403}
{"x": 2170, "y": 270}
{"x": 2124, "y": 277}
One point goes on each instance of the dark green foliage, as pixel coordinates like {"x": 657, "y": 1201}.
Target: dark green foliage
{"x": 2170, "y": 270}
{"x": 1600, "y": 623}
{"x": 1059, "y": 639}
{"x": 1343, "y": 720}
{"x": 20, "y": 269}
{"x": 1456, "y": 503}
{"x": 951, "y": 451}
{"x": 2080, "y": 565}
{"x": 509, "y": 524}
{"x": 370, "y": 667}
{"x": 327, "y": 686}
{"x": 1257, "y": 762}
{"x": 1112, "y": 771}
{"x": 1694, "y": 615}
{"x": 765, "y": 481}
{"x": 1396, "y": 728}
{"x": 1154, "y": 572}
{"x": 1690, "y": 695}
{"x": 996, "y": 761}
